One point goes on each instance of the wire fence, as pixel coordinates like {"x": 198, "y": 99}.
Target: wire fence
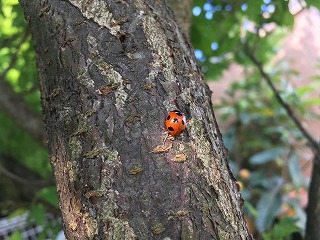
{"x": 27, "y": 228}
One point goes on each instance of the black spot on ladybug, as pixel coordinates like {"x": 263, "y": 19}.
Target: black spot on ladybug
{"x": 170, "y": 129}
{"x": 182, "y": 122}
{"x": 175, "y": 120}
{"x": 168, "y": 117}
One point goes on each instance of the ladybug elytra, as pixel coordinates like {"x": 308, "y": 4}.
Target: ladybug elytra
{"x": 175, "y": 123}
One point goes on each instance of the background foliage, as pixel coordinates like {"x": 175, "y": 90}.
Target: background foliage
{"x": 25, "y": 173}
{"x": 262, "y": 140}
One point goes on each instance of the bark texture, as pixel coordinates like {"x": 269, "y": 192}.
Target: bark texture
{"x": 109, "y": 72}
{"x": 183, "y": 13}
{"x": 313, "y": 209}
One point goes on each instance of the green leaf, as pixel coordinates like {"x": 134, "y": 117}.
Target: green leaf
{"x": 294, "y": 170}
{"x": 305, "y": 89}
{"x": 282, "y": 15}
{"x": 267, "y": 156}
{"x": 254, "y": 9}
{"x": 10, "y": 2}
{"x": 16, "y": 236}
{"x": 17, "y": 212}
{"x": 250, "y": 208}
{"x": 38, "y": 214}
{"x": 281, "y": 230}
{"x": 268, "y": 206}
{"x": 301, "y": 216}
{"x": 311, "y": 102}
{"x": 315, "y": 3}
{"x": 257, "y": 179}
{"x": 49, "y": 194}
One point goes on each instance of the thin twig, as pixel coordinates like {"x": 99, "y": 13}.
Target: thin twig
{"x": 312, "y": 142}
{"x": 21, "y": 180}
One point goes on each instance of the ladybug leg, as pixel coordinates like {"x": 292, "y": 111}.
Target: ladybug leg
{"x": 165, "y": 138}
{"x": 168, "y": 137}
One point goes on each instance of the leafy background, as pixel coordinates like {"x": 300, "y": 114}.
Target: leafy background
{"x": 262, "y": 140}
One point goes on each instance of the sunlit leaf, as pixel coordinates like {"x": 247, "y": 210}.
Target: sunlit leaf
{"x": 16, "y": 236}
{"x": 267, "y": 112}
{"x": 311, "y": 102}
{"x": 10, "y": 2}
{"x": 306, "y": 89}
{"x": 17, "y": 212}
{"x": 13, "y": 75}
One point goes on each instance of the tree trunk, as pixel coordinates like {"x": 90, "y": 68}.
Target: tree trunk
{"x": 313, "y": 209}
{"x": 109, "y": 73}
{"x": 183, "y": 13}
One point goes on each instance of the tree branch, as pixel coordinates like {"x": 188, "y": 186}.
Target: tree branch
{"x": 312, "y": 142}
{"x": 24, "y": 181}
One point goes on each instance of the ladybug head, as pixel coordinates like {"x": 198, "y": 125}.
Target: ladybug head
{"x": 179, "y": 113}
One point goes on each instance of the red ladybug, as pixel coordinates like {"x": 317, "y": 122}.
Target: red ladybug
{"x": 175, "y": 123}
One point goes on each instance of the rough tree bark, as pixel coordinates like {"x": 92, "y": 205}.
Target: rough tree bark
{"x": 109, "y": 72}
{"x": 182, "y": 10}
{"x": 313, "y": 209}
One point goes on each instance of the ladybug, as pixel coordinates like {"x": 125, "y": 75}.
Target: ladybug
{"x": 175, "y": 123}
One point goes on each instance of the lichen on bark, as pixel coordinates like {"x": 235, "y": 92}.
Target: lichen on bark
{"x": 116, "y": 83}
{"x": 98, "y": 12}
